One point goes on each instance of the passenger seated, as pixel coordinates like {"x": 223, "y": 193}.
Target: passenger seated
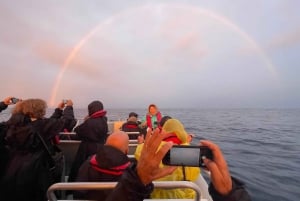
{"x": 133, "y": 125}
{"x": 174, "y": 132}
{"x": 105, "y": 166}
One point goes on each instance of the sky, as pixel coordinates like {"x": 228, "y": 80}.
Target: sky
{"x": 131, "y": 53}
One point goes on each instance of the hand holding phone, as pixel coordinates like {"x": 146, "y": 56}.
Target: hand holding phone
{"x": 14, "y": 100}
{"x": 185, "y": 155}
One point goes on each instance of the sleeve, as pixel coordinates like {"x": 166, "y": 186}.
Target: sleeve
{"x": 130, "y": 187}
{"x": 57, "y": 113}
{"x": 69, "y": 118}
{"x": 238, "y": 192}
{"x": 3, "y": 106}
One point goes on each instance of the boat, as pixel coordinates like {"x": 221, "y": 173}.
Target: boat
{"x": 69, "y": 148}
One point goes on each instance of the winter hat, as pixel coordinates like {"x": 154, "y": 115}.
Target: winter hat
{"x": 132, "y": 119}
{"x": 95, "y": 106}
{"x": 133, "y": 114}
{"x": 163, "y": 120}
{"x": 175, "y": 126}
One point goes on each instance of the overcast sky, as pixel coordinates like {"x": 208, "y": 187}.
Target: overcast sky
{"x": 128, "y": 54}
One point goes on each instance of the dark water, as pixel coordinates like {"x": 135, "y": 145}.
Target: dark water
{"x": 261, "y": 146}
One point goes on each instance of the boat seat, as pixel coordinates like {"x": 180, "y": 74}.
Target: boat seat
{"x": 69, "y": 148}
{"x": 109, "y": 185}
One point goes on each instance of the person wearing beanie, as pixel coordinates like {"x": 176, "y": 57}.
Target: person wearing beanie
{"x": 175, "y": 133}
{"x": 108, "y": 164}
{"x": 92, "y": 133}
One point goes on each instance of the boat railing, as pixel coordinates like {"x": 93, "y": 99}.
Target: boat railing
{"x": 110, "y": 185}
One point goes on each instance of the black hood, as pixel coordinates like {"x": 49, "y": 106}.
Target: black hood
{"x": 95, "y": 106}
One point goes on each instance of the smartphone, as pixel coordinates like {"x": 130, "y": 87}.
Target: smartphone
{"x": 65, "y": 101}
{"x": 186, "y": 155}
{"x": 14, "y": 100}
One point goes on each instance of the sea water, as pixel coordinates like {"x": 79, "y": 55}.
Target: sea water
{"x": 261, "y": 146}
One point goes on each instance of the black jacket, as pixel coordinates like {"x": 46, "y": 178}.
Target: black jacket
{"x": 25, "y": 171}
{"x": 106, "y": 166}
{"x": 93, "y": 134}
{"x": 130, "y": 188}
{"x": 3, "y": 106}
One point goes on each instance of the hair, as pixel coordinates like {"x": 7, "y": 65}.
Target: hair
{"x": 34, "y": 108}
{"x": 151, "y": 105}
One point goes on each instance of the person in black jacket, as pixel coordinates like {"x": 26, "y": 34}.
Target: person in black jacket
{"x": 107, "y": 165}
{"x": 25, "y": 171}
{"x": 92, "y": 133}
{"x": 136, "y": 183}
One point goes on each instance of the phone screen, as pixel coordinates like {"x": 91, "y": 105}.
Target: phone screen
{"x": 187, "y": 156}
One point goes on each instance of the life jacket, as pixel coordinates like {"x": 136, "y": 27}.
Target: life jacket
{"x": 149, "y": 122}
{"x": 173, "y": 139}
{"x": 118, "y": 170}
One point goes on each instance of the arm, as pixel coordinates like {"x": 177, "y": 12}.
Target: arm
{"x": 130, "y": 187}
{"x": 223, "y": 186}
{"x": 4, "y": 104}
{"x": 238, "y": 192}
{"x": 58, "y": 112}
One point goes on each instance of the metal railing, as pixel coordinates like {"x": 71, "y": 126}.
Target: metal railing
{"x": 110, "y": 185}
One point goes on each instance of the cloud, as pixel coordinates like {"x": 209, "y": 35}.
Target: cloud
{"x": 288, "y": 39}
{"x": 87, "y": 63}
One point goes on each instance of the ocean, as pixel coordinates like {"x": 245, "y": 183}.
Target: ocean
{"x": 261, "y": 146}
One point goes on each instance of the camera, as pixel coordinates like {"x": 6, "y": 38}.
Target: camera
{"x": 14, "y": 100}
{"x": 185, "y": 155}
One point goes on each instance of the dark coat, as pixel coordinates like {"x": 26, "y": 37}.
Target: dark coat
{"x": 26, "y": 174}
{"x": 107, "y": 166}
{"x": 93, "y": 134}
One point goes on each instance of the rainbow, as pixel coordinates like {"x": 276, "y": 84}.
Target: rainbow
{"x": 197, "y": 10}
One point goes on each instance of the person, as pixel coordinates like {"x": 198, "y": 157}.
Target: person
{"x": 174, "y": 132}
{"x": 136, "y": 182}
{"x": 163, "y": 120}
{"x": 107, "y": 165}
{"x": 133, "y": 125}
{"x": 7, "y": 101}
{"x": 153, "y": 117}
{"x": 92, "y": 133}
{"x": 25, "y": 170}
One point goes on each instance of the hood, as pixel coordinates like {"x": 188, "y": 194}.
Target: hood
{"x": 94, "y": 106}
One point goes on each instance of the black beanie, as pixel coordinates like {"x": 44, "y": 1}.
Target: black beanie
{"x": 95, "y": 106}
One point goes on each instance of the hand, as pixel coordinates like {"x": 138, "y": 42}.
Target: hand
{"x": 61, "y": 105}
{"x": 7, "y": 100}
{"x": 220, "y": 176}
{"x": 148, "y": 165}
{"x": 69, "y": 103}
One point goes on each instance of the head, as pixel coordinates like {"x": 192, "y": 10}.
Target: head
{"x": 176, "y": 127}
{"x": 132, "y": 119}
{"x": 133, "y": 114}
{"x": 163, "y": 120}
{"x": 119, "y": 140}
{"x": 95, "y": 106}
{"x": 34, "y": 108}
{"x": 152, "y": 109}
